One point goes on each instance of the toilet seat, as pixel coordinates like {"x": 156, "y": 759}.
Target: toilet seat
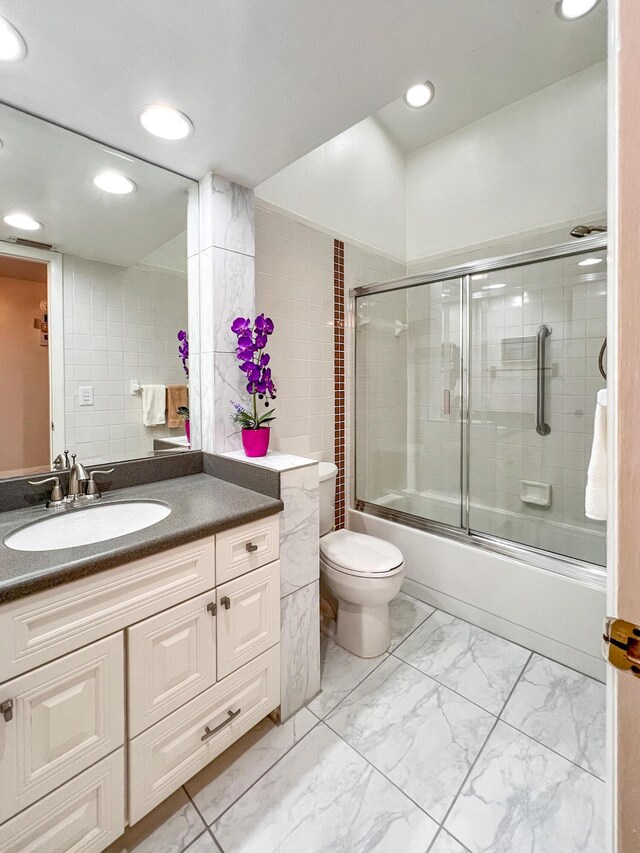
{"x": 360, "y": 554}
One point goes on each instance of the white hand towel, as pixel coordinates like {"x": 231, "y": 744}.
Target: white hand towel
{"x": 153, "y": 404}
{"x": 595, "y": 502}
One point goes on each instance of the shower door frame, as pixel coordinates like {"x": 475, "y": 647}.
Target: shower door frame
{"x": 590, "y": 574}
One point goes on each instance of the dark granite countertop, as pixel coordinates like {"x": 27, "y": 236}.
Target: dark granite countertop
{"x": 200, "y": 506}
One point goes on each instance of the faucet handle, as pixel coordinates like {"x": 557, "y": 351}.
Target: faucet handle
{"x": 57, "y": 494}
{"x": 92, "y": 486}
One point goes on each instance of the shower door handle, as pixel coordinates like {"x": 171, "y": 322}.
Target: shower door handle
{"x": 541, "y": 427}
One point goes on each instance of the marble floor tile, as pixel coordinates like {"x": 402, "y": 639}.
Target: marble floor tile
{"x": 405, "y": 614}
{"x": 521, "y": 796}
{"x": 446, "y": 843}
{"x": 220, "y": 783}
{"x": 204, "y": 844}
{"x": 479, "y": 665}
{"x": 563, "y": 709}
{"x": 323, "y": 796}
{"x": 169, "y": 828}
{"x": 421, "y": 735}
{"x": 340, "y": 673}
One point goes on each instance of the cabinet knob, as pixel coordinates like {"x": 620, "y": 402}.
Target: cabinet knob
{"x": 251, "y": 547}
{"x": 6, "y": 709}
{"x": 226, "y": 602}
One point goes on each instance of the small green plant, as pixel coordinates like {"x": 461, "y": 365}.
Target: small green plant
{"x": 251, "y": 420}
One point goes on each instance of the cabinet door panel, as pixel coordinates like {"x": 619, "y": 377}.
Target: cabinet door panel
{"x": 166, "y": 755}
{"x": 51, "y": 623}
{"x": 172, "y": 658}
{"x": 83, "y": 816}
{"x": 247, "y": 547}
{"x": 248, "y": 617}
{"x": 66, "y": 715}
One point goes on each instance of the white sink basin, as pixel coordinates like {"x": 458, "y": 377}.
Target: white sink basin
{"x": 75, "y": 527}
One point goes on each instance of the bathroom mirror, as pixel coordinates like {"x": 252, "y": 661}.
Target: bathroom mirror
{"x": 93, "y": 296}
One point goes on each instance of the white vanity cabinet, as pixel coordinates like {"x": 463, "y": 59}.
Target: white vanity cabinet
{"x": 120, "y": 686}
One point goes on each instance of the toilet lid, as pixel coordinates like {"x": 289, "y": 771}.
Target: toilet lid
{"x": 358, "y": 552}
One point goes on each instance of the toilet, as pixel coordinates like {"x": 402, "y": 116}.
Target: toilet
{"x": 363, "y": 572}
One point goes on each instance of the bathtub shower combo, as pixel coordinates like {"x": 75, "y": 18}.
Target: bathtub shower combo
{"x": 475, "y": 398}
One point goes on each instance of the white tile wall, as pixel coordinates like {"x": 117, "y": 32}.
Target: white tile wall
{"x": 294, "y": 286}
{"x": 120, "y": 324}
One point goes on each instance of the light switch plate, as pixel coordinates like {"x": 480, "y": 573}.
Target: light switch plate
{"x": 85, "y": 392}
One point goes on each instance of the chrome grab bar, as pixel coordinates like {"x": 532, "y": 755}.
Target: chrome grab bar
{"x": 541, "y": 427}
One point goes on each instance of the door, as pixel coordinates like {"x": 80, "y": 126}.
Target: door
{"x": 535, "y": 336}
{"x": 624, "y": 377}
{"x": 58, "y": 720}
{"x": 171, "y": 658}
{"x": 248, "y": 617}
{"x": 408, "y": 401}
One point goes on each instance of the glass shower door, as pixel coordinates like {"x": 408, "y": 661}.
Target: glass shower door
{"x": 535, "y": 334}
{"x": 408, "y": 400}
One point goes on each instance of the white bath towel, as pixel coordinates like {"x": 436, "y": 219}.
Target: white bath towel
{"x": 595, "y": 502}
{"x": 154, "y": 398}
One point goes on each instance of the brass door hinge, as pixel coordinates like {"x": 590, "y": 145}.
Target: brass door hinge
{"x": 621, "y": 645}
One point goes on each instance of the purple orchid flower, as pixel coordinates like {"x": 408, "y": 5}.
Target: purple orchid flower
{"x": 183, "y": 350}
{"x": 252, "y": 339}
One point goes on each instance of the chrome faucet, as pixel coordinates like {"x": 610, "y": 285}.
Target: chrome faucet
{"x": 78, "y": 491}
{"x": 77, "y": 477}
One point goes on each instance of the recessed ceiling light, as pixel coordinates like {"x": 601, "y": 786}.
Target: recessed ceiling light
{"x": 165, "y": 122}
{"x": 571, "y": 10}
{"x": 493, "y": 286}
{"x": 114, "y": 182}
{"x": 419, "y": 95}
{"x": 12, "y": 45}
{"x": 22, "y": 221}
{"x": 588, "y": 262}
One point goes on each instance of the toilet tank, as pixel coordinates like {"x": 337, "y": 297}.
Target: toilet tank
{"x": 327, "y": 474}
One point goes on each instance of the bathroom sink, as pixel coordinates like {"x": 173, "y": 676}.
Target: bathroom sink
{"x": 73, "y": 527}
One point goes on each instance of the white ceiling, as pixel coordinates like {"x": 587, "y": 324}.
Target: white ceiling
{"x": 266, "y": 81}
{"x": 470, "y": 89}
{"x": 48, "y": 172}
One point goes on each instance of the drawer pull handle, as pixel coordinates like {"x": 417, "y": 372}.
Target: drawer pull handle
{"x": 251, "y": 547}
{"x": 226, "y": 602}
{"x": 6, "y": 709}
{"x": 212, "y": 608}
{"x": 210, "y": 732}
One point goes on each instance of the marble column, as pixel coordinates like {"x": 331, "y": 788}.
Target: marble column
{"x": 299, "y": 577}
{"x": 221, "y": 287}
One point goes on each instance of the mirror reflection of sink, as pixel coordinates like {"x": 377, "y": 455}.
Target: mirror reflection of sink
{"x": 74, "y": 527}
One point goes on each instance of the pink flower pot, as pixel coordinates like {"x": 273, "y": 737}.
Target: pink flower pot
{"x": 187, "y": 431}
{"x": 256, "y": 441}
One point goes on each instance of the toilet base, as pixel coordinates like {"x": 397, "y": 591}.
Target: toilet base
{"x": 363, "y": 629}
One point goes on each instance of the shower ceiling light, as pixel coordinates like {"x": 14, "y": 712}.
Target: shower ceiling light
{"x": 571, "y": 10}
{"x": 12, "y": 45}
{"x": 114, "y": 182}
{"x": 419, "y": 95}
{"x": 22, "y": 221}
{"x": 589, "y": 262}
{"x": 166, "y": 122}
